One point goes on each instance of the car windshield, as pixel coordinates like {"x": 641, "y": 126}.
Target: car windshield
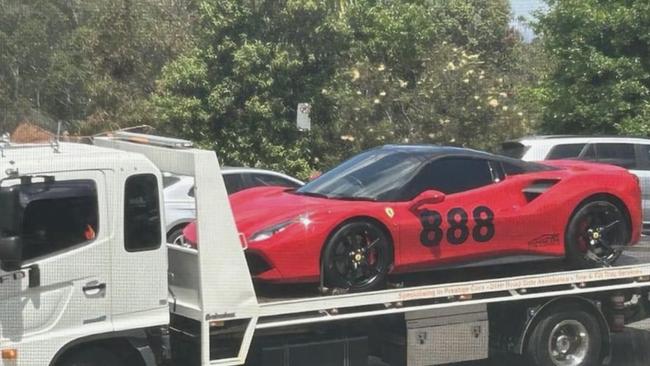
{"x": 375, "y": 175}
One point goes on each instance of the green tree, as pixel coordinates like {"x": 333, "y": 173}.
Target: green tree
{"x": 439, "y": 72}
{"x": 374, "y": 71}
{"x": 27, "y": 31}
{"x": 90, "y": 64}
{"x": 238, "y": 91}
{"x": 600, "y": 76}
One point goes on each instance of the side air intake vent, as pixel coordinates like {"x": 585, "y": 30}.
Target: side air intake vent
{"x": 537, "y": 188}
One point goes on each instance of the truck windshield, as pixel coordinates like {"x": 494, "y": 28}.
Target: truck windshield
{"x": 376, "y": 175}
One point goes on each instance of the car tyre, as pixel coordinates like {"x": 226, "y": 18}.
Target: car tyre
{"x": 176, "y": 237}
{"x": 566, "y": 338}
{"x": 357, "y": 257}
{"x": 596, "y": 232}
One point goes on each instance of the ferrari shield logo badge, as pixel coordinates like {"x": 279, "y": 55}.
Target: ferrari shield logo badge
{"x": 390, "y": 212}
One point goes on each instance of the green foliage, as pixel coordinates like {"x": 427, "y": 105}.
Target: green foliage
{"x": 375, "y": 72}
{"x": 90, "y": 64}
{"x": 600, "y": 79}
{"x": 238, "y": 91}
{"x": 456, "y": 100}
{"x": 229, "y": 74}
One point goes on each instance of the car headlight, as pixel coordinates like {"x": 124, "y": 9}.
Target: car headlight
{"x": 278, "y": 228}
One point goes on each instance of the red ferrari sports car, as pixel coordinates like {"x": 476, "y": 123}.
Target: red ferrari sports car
{"x": 411, "y": 208}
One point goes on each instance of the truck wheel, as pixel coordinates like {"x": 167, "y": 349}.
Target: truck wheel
{"x": 571, "y": 338}
{"x": 357, "y": 257}
{"x": 594, "y": 233}
{"x": 91, "y": 356}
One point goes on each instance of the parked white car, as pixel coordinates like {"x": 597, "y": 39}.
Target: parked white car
{"x": 628, "y": 152}
{"x": 179, "y": 193}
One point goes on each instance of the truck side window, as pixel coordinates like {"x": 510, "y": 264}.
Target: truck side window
{"x": 59, "y": 215}
{"x": 142, "y": 230}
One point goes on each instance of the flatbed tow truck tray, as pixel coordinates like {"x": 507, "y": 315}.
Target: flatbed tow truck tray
{"x": 207, "y": 298}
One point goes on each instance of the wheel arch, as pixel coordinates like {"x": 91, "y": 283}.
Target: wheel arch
{"x": 134, "y": 343}
{"x": 177, "y": 225}
{"x": 606, "y": 197}
{"x": 559, "y": 303}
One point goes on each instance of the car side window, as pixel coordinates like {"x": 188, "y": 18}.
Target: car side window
{"x": 259, "y": 179}
{"x": 565, "y": 151}
{"x": 512, "y": 169}
{"x": 616, "y": 154}
{"x": 234, "y": 183}
{"x": 642, "y": 157}
{"x": 59, "y": 215}
{"x": 589, "y": 153}
{"x": 142, "y": 230}
{"x": 453, "y": 175}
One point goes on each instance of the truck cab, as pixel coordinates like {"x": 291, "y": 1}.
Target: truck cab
{"x": 81, "y": 251}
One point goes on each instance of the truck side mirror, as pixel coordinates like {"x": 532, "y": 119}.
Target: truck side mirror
{"x": 10, "y": 209}
{"x": 11, "y": 253}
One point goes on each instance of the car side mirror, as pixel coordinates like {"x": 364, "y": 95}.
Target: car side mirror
{"x": 429, "y": 197}
{"x": 11, "y": 253}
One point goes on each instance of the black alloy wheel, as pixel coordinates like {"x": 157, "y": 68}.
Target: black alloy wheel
{"x": 357, "y": 257}
{"x": 596, "y": 234}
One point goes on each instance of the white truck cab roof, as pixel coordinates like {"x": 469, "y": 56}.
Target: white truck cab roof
{"x": 23, "y": 159}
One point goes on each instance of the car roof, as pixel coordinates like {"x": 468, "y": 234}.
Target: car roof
{"x": 436, "y": 151}
{"x": 236, "y": 170}
{"x": 568, "y": 139}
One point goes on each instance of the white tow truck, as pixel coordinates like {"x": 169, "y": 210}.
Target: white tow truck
{"x": 87, "y": 279}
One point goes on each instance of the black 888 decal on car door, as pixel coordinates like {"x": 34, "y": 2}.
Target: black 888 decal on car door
{"x": 458, "y": 230}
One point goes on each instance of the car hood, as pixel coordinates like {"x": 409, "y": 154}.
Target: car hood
{"x": 258, "y": 208}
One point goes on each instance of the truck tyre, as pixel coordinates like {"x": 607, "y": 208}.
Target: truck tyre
{"x": 91, "y": 356}
{"x": 569, "y": 338}
{"x": 357, "y": 257}
{"x": 594, "y": 232}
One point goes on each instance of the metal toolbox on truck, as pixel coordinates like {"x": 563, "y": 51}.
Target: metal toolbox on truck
{"x": 447, "y": 335}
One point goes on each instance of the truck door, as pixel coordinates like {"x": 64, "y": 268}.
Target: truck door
{"x": 139, "y": 258}
{"x": 63, "y": 291}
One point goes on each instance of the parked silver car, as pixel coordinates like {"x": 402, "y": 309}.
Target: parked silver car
{"x": 628, "y": 152}
{"x": 179, "y": 193}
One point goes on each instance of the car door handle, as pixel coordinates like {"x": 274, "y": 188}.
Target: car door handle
{"x": 93, "y": 288}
